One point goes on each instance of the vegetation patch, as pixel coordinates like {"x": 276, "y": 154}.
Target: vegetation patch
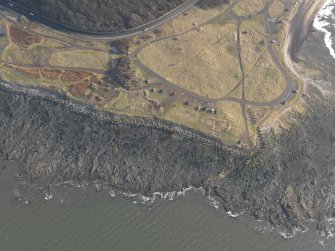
{"x": 74, "y": 76}
{"x": 248, "y": 7}
{"x": 81, "y": 59}
{"x": 252, "y": 46}
{"x": 31, "y": 72}
{"x": 22, "y": 38}
{"x": 51, "y": 73}
{"x": 231, "y": 112}
{"x": 203, "y": 62}
{"x": 125, "y": 75}
{"x": 134, "y": 103}
{"x": 194, "y": 18}
{"x": 276, "y": 9}
{"x": 35, "y": 54}
{"x": 265, "y": 81}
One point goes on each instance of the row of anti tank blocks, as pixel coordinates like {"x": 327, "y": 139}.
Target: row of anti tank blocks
{"x": 261, "y": 140}
{"x": 251, "y": 116}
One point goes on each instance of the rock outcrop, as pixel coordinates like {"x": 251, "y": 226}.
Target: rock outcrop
{"x": 287, "y": 183}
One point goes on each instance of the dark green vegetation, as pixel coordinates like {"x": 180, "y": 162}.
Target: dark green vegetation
{"x": 107, "y": 15}
{"x": 101, "y": 15}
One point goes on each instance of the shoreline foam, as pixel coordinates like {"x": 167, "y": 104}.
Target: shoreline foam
{"x": 321, "y": 22}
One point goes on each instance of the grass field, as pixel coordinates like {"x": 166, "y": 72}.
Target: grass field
{"x": 226, "y": 125}
{"x": 195, "y": 16}
{"x": 81, "y": 59}
{"x": 248, "y": 7}
{"x": 252, "y": 46}
{"x": 33, "y": 55}
{"x": 197, "y": 51}
{"x": 264, "y": 83}
{"x": 204, "y": 61}
{"x": 134, "y": 103}
{"x": 276, "y": 9}
{"x": 11, "y": 75}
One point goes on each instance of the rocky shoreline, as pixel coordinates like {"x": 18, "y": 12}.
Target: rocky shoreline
{"x": 288, "y": 183}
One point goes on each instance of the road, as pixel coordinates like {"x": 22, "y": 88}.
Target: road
{"x": 298, "y": 30}
{"x": 181, "y": 93}
{"x": 107, "y": 35}
{"x": 285, "y": 96}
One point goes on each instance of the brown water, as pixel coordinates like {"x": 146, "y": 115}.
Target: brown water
{"x": 86, "y": 219}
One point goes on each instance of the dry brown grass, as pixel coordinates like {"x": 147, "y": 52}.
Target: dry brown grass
{"x": 258, "y": 112}
{"x": 232, "y": 113}
{"x": 75, "y": 76}
{"x": 29, "y": 71}
{"x": 265, "y": 81}
{"x": 203, "y": 62}
{"x": 186, "y": 22}
{"x": 276, "y": 9}
{"x": 17, "y": 55}
{"x": 256, "y": 23}
{"x": 226, "y": 125}
{"x": 81, "y": 59}
{"x": 80, "y": 89}
{"x": 133, "y": 103}
{"x": 248, "y": 7}
{"x": 252, "y": 46}
{"x": 236, "y": 92}
{"x": 51, "y": 74}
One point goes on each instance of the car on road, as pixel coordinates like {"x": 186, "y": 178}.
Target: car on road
{"x": 146, "y": 29}
{"x": 31, "y": 14}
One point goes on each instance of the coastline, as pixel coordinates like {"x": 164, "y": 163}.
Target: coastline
{"x": 58, "y": 145}
{"x": 132, "y": 156}
{"x": 321, "y": 24}
{"x": 298, "y": 30}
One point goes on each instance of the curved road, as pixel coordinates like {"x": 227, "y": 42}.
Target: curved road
{"x": 286, "y": 95}
{"x": 107, "y": 35}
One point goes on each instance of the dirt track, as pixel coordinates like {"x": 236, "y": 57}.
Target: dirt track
{"x": 290, "y": 182}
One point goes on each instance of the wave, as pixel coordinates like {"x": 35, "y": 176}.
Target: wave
{"x": 48, "y": 196}
{"x": 231, "y": 214}
{"x": 286, "y": 234}
{"x": 166, "y": 196}
{"x": 324, "y": 21}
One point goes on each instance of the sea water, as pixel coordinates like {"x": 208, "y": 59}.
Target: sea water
{"x": 325, "y": 22}
{"x": 90, "y": 217}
